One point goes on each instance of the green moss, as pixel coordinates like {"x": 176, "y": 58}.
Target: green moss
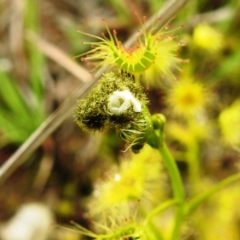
{"x": 92, "y": 113}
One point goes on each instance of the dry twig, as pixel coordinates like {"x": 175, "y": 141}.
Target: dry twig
{"x": 59, "y": 57}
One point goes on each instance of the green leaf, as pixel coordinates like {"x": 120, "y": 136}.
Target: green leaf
{"x": 10, "y": 95}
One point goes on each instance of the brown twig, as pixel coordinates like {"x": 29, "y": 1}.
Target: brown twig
{"x": 16, "y": 26}
{"x": 66, "y": 109}
{"x": 59, "y": 57}
{"x": 218, "y": 15}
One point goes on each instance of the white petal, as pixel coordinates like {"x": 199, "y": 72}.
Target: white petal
{"x": 120, "y": 101}
{"x": 137, "y": 107}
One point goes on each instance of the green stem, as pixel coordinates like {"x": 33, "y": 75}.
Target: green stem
{"x": 193, "y": 162}
{"x": 150, "y": 227}
{"x": 196, "y": 201}
{"x": 160, "y": 208}
{"x": 178, "y": 189}
{"x": 192, "y": 154}
{"x": 155, "y": 233}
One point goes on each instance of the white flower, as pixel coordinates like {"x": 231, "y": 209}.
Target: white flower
{"x": 32, "y": 221}
{"x": 120, "y": 101}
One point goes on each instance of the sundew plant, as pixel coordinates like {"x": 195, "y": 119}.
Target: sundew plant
{"x": 135, "y": 201}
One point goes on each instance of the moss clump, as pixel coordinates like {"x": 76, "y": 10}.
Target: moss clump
{"x": 93, "y": 114}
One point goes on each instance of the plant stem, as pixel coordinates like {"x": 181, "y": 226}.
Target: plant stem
{"x": 196, "y": 201}
{"x": 192, "y": 156}
{"x": 161, "y": 208}
{"x": 150, "y": 227}
{"x": 155, "y": 233}
{"x": 178, "y": 189}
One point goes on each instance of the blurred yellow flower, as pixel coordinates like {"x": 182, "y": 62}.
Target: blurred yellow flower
{"x": 187, "y": 97}
{"x": 129, "y": 182}
{"x": 206, "y": 37}
{"x": 229, "y": 121}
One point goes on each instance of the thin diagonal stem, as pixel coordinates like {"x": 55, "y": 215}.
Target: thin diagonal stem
{"x": 160, "y": 209}
{"x": 196, "y": 201}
